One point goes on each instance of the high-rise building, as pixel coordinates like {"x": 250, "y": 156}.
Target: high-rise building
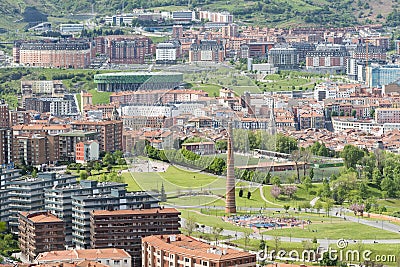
{"x": 329, "y": 58}
{"x": 117, "y": 199}
{"x": 27, "y": 194}
{"x": 382, "y": 75}
{"x": 109, "y": 133}
{"x": 5, "y": 146}
{"x": 58, "y": 199}
{"x": 132, "y": 226}
{"x": 4, "y": 114}
{"x": 39, "y": 232}
{"x": 284, "y": 57}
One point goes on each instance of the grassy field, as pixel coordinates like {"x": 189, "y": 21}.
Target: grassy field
{"x": 290, "y": 81}
{"x": 211, "y": 89}
{"x": 176, "y": 179}
{"x": 390, "y": 204}
{"x": 221, "y": 76}
{"x": 301, "y": 196}
{"x": 210, "y": 220}
{"x": 254, "y": 244}
{"x": 387, "y": 254}
{"x": 346, "y": 230}
{"x": 98, "y": 97}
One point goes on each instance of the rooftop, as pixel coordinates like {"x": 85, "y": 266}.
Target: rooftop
{"x": 41, "y": 217}
{"x": 190, "y": 246}
{"x": 134, "y": 212}
{"x": 83, "y": 254}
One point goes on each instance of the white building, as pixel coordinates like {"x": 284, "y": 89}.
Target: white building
{"x": 148, "y": 111}
{"x": 166, "y": 53}
{"x": 71, "y": 28}
{"x": 87, "y": 151}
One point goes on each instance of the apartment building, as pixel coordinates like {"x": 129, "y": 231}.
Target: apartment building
{"x": 26, "y": 194}
{"x": 126, "y": 228}
{"x": 55, "y": 54}
{"x": 117, "y": 199}
{"x": 112, "y": 257}
{"x": 39, "y": 232}
{"x": 284, "y": 57}
{"x": 109, "y": 133}
{"x": 86, "y": 151}
{"x": 5, "y": 146}
{"x": 181, "y": 250}
{"x": 387, "y": 115}
{"x": 58, "y": 199}
{"x": 68, "y": 141}
{"x": 207, "y": 51}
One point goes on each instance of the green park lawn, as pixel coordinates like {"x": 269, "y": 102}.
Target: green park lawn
{"x": 177, "y": 179}
{"x": 389, "y": 251}
{"x": 211, "y": 89}
{"x": 335, "y": 230}
{"x": 209, "y": 220}
{"x": 253, "y": 244}
{"x": 301, "y": 196}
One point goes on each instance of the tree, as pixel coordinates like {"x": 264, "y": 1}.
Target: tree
{"x": 216, "y": 232}
{"x": 296, "y": 156}
{"x": 246, "y": 237}
{"x": 305, "y": 156}
{"x": 34, "y": 173}
{"x": 190, "y": 225}
{"x": 328, "y": 206}
{"x": 311, "y": 174}
{"x": 248, "y": 195}
{"x": 289, "y": 190}
{"x": 163, "y": 196}
{"x": 97, "y": 166}
{"x": 307, "y": 183}
{"x": 241, "y": 192}
{"x": 3, "y": 227}
{"x": 388, "y": 186}
{"x": 351, "y": 156}
{"x": 276, "y": 181}
{"x": 276, "y": 243}
{"x": 83, "y": 175}
{"x": 318, "y": 206}
{"x": 275, "y": 191}
{"x": 286, "y": 207}
{"x": 285, "y": 144}
{"x": 221, "y": 145}
{"x": 108, "y": 159}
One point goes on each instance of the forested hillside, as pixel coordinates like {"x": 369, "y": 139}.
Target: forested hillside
{"x": 261, "y": 12}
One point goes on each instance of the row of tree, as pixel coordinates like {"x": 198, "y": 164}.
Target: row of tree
{"x": 188, "y": 158}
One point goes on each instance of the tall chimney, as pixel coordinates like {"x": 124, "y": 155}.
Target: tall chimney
{"x": 230, "y": 206}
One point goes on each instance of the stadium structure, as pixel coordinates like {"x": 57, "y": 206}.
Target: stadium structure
{"x": 133, "y": 81}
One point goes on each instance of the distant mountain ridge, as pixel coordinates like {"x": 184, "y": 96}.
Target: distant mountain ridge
{"x": 282, "y": 13}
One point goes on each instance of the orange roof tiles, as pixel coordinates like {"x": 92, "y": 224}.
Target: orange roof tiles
{"x": 190, "y": 246}
{"x": 83, "y": 254}
{"x": 41, "y": 217}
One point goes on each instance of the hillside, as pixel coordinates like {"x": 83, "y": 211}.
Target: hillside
{"x": 284, "y": 13}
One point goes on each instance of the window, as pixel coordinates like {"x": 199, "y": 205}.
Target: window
{"x": 187, "y": 260}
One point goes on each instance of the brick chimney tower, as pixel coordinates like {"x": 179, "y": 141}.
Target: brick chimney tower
{"x": 230, "y": 206}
